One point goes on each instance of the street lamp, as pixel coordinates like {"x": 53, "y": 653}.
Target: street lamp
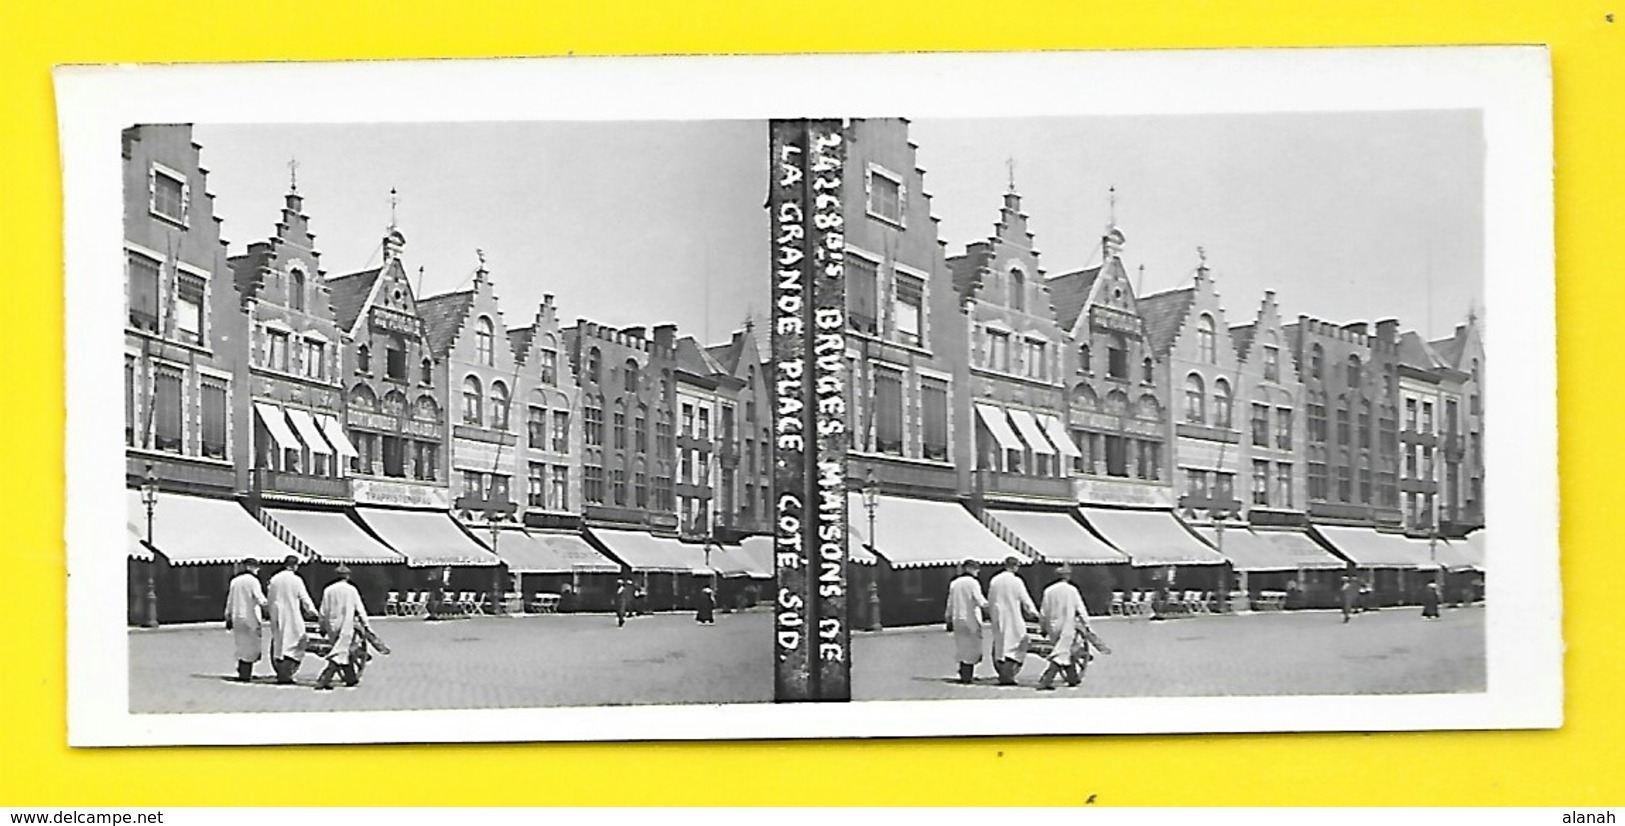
{"x": 149, "y": 498}
{"x": 871, "y": 502}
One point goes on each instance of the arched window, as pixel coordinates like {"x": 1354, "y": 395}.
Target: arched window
{"x": 1018, "y": 290}
{"x": 1317, "y": 358}
{"x": 428, "y": 372}
{"x": 362, "y": 398}
{"x": 1083, "y": 359}
{"x": 484, "y": 333}
{"x": 631, "y": 376}
{"x": 394, "y": 403}
{"x": 499, "y": 405}
{"x": 1221, "y": 404}
{"x": 640, "y": 430}
{"x": 594, "y": 362}
{"x": 1148, "y": 367}
{"x": 1354, "y": 371}
{"x": 1204, "y": 339}
{"x": 1149, "y": 409}
{"x": 296, "y": 289}
{"x": 363, "y": 359}
{"x": 550, "y": 360}
{"x": 1083, "y": 397}
{"x": 1195, "y": 400}
{"x": 426, "y": 410}
{"x": 472, "y": 401}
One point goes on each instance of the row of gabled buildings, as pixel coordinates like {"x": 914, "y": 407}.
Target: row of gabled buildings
{"x": 996, "y": 408}
{"x": 429, "y": 442}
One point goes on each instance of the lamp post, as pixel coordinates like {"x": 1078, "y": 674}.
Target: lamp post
{"x": 871, "y": 502}
{"x": 149, "y": 498}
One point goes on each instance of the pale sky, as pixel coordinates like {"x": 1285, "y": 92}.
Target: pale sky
{"x": 1347, "y": 216}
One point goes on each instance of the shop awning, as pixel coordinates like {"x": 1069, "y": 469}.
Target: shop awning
{"x": 1443, "y": 553}
{"x": 335, "y": 434}
{"x": 1058, "y": 436}
{"x": 192, "y": 530}
{"x": 644, "y": 552}
{"x": 999, "y": 426}
{"x": 428, "y": 539}
{"x": 277, "y": 423}
{"x": 330, "y": 535}
{"x": 308, "y": 431}
{"x": 917, "y": 533}
{"x": 1368, "y": 548}
{"x": 577, "y": 552}
{"x": 1469, "y": 552}
{"x": 733, "y": 561}
{"x": 1055, "y": 537}
{"x": 1264, "y": 550}
{"x": 858, "y": 551}
{"x": 698, "y": 559}
{"x": 758, "y": 551}
{"x": 1031, "y": 432}
{"x": 525, "y": 555}
{"x": 1151, "y": 538}
{"x": 135, "y": 548}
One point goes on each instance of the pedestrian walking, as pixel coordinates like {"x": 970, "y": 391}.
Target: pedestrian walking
{"x": 1350, "y": 597}
{"x": 245, "y": 617}
{"x": 705, "y": 612}
{"x": 1430, "y": 601}
{"x": 623, "y": 601}
{"x": 290, "y": 605}
{"x": 1065, "y": 623}
{"x": 1010, "y": 608}
{"x": 343, "y": 616}
{"x": 964, "y": 616}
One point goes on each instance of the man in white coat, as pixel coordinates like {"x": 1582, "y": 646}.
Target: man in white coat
{"x": 245, "y": 610}
{"x": 344, "y": 617}
{"x": 1010, "y": 606}
{"x": 290, "y": 606}
{"x": 1065, "y": 622}
{"x": 966, "y": 605}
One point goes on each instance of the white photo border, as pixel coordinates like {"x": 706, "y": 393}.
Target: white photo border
{"x": 1511, "y": 86}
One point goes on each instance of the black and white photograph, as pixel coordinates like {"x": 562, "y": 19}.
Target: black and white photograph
{"x": 711, "y": 398}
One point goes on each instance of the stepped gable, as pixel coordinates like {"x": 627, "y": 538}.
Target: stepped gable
{"x": 443, "y": 317}
{"x": 519, "y": 341}
{"x": 1069, "y": 294}
{"x": 1164, "y": 315}
{"x": 350, "y": 294}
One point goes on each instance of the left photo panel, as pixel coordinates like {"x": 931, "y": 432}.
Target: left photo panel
{"x": 447, "y": 416}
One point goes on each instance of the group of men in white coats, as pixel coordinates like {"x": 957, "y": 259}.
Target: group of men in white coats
{"x": 1062, "y": 617}
{"x": 285, "y": 606}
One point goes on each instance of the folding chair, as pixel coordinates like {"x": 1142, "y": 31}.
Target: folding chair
{"x": 1116, "y": 608}
{"x": 392, "y": 604}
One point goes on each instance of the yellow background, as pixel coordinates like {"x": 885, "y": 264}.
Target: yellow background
{"x": 1581, "y": 764}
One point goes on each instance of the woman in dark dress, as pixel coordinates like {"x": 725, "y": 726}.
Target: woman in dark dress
{"x": 1430, "y": 601}
{"x": 705, "y": 612}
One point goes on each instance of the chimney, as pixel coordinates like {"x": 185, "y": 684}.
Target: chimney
{"x": 1388, "y": 330}
{"x": 666, "y": 336}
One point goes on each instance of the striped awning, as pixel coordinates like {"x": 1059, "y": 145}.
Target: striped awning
{"x": 1055, "y": 536}
{"x": 330, "y": 536}
{"x": 759, "y": 551}
{"x": 192, "y": 530}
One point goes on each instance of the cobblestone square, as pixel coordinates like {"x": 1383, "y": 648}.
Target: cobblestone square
{"x": 584, "y": 659}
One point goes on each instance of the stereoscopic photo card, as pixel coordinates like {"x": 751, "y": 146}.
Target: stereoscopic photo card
{"x": 819, "y": 396}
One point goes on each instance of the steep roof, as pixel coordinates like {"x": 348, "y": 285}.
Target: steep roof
{"x": 442, "y": 317}
{"x": 1242, "y": 336}
{"x": 693, "y": 359}
{"x": 1449, "y": 349}
{"x": 727, "y": 355}
{"x": 350, "y": 293}
{"x": 520, "y": 340}
{"x": 1414, "y": 352}
{"x": 1163, "y": 313}
{"x": 1069, "y": 292}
